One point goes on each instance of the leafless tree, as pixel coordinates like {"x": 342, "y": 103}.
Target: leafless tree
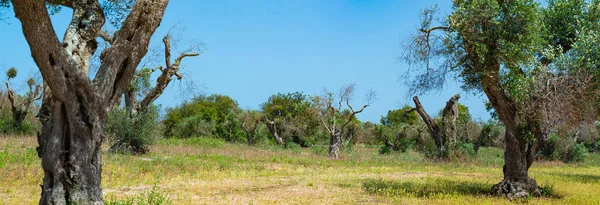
{"x": 331, "y": 107}
{"x": 169, "y": 71}
{"x": 75, "y": 106}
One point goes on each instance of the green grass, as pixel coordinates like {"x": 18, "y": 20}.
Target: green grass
{"x": 210, "y": 171}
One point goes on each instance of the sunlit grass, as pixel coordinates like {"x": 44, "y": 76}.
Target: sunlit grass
{"x": 210, "y": 171}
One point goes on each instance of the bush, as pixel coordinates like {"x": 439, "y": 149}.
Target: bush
{"x": 575, "y": 153}
{"x": 7, "y": 125}
{"x": 461, "y": 151}
{"x": 193, "y": 126}
{"x": 566, "y": 150}
{"x": 132, "y": 133}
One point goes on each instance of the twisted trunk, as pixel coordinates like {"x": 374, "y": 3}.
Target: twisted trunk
{"x": 449, "y": 115}
{"x": 335, "y": 140}
{"x": 75, "y": 107}
{"x": 519, "y": 154}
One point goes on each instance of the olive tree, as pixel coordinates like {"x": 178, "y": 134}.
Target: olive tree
{"x": 444, "y": 133}
{"x": 537, "y": 65}
{"x": 76, "y": 105}
{"x": 331, "y": 107}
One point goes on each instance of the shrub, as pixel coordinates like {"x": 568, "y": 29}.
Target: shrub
{"x": 575, "y": 153}
{"x": 461, "y": 151}
{"x": 193, "y": 126}
{"x": 132, "y": 132}
{"x": 566, "y": 150}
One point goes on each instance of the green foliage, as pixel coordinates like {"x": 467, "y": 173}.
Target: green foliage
{"x": 141, "y": 82}
{"x": 153, "y": 197}
{"x": 461, "y": 151}
{"x": 295, "y": 118}
{"x": 193, "y": 126}
{"x": 575, "y": 153}
{"x": 397, "y": 139}
{"x": 400, "y": 117}
{"x": 133, "y": 132}
{"x": 11, "y": 73}
{"x": 214, "y": 115}
{"x": 7, "y": 125}
{"x": 566, "y": 150}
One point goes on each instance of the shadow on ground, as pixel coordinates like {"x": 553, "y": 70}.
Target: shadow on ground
{"x": 425, "y": 188}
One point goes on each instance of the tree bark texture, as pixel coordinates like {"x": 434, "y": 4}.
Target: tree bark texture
{"x": 519, "y": 154}
{"x": 449, "y": 115}
{"x": 335, "y": 141}
{"x": 75, "y": 108}
{"x": 441, "y": 134}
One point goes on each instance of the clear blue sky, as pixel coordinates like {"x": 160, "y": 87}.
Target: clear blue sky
{"x": 259, "y": 48}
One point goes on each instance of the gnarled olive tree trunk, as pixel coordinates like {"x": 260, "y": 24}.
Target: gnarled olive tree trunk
{"x": 335, "y": 142}
{"x": 449, "y": 115}
{"x": 519, "y": 154}
{"x": 75, "y": 107}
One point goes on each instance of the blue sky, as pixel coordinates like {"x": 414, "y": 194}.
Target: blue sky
{"x": 256, "y": 48}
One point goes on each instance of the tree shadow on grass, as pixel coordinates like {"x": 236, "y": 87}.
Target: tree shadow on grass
{"x": 582, "y": 178}
{"x": 425, "y": 188}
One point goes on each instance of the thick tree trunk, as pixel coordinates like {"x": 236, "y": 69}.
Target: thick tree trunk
{"x": 595, "y": 145}
{"x": 74, "y": 115}
{"x": 70, "y": 148}
{"x": 517, "y": 160}
{"x": 449, "y": 114}
{"x": 518, "y": 153}
{"x": 335, "y": 141}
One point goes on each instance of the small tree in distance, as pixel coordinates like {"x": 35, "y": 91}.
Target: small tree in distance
{"x": 330, "y": 108}
{"x": 20, "y": 105}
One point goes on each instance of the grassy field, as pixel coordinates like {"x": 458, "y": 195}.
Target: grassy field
{"x": 205, "y": 171}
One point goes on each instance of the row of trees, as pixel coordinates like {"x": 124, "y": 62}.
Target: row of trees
{"x": 537, "y": 65}
{"x": 286, "y": 118}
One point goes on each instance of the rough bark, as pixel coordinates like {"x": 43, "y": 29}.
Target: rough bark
{"x": 433, "y": 127}
{"x": 272, "y": 126}
{"x": 449, "y": 115}
{"x": 75, "y": 107}
{"x": 518, "y": 153}
{"x": 21, "y": 109}
{"x": 331, "y": 114}
{"x": 335, "y": 141}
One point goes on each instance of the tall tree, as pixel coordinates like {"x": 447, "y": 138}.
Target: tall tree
{"x": 331, "y": 108}
{"x": 74, "y": 110}
{"x": 521, "y": 56}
